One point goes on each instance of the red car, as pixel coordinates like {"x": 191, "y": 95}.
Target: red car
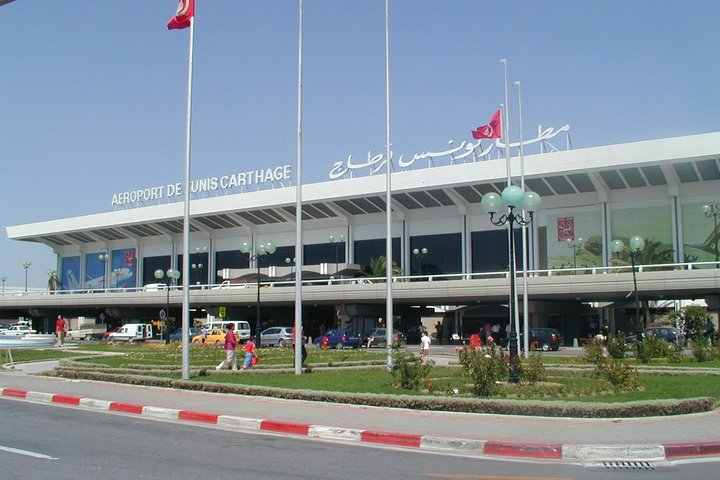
{"x": 107, "y": 334}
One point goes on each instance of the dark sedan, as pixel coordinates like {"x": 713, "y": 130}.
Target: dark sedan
{"x": 378, "y": 338}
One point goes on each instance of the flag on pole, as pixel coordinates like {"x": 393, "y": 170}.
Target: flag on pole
{"x": 185, "y": 11}
{"x": 5, "y": 2}
{"x": 491, "y": 130}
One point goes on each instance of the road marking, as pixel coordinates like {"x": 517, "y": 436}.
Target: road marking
{"x": 492, "y": 477}
{"x": 27, "y": 453}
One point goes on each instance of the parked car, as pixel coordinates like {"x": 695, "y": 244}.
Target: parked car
{"x": 378, "y": 337}
{"x": 18, "y": 330}
{"x": 670, "y": 334}
{"x": 339, "y": 338}
{"x": 276, "y": 336}
{"x": 545, "y": 339}
{"x": 215, "y": 336}
{"x": 113, "y": 330}
{"x": 176, "y": 336}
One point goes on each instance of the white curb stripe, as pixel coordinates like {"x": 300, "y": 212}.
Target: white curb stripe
{"x": 613, "y": 452}
{"x": 158, "y": 412}
{"x": 442, "y": 443}
{"x": 321, "y": 431}
{"x": 39, "y": 397}
{"x": 239, "y": 422}
{"x": 95, "y": 404}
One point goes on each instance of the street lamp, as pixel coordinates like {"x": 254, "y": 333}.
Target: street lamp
{"x": 199, "y": 265}
{"x": 172, "y": 276}
{"x": 261, "y": 252}
{"x": 637, "y": 244}
{"x": 103, "y": 257}
{"x": 3, "y": 278}
{"x": 512, "y": 197}
{"x": 335, "y": 242}
{"x": 419, "y": 254}
{"x": 713, "y": 211}
{"x": 26, "y": 265}
{"x": 291, "y": 263}
{"x": 575, "y": 244}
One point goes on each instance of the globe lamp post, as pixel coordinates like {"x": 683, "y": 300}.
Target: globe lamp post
{"x": 505, "y": 204}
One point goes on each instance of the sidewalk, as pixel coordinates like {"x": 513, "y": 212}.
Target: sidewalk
{"x": 568, "y": 439}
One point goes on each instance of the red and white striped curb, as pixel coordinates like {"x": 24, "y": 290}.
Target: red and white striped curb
{"x": 556, "y": 451}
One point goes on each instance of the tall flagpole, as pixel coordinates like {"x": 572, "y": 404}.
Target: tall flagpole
{"x": 186, "y": 219}
{"x": 511, "y": 258}
{"x": 526, "y": 309}
{"x": 298, "y": 206}
{"x": 388, "y": 197}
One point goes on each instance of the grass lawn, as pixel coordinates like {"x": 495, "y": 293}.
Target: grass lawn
{"x": 442, "y": 380}
{"x": 32, "y": 355}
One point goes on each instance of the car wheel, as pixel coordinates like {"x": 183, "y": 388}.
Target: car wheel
{"x": 545, "y": 347}
{"x": 217, "y": 342}
{"x": 197, "y": 342}
{"x": 339, "y": 345}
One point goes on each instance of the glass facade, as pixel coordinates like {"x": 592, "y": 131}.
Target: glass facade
{"x": 574, "y": 240}
{"x": 653, "y": 224}
{"x": 700, "y": 233}
{"x": 490, "y": 250}
{"x": 366, "y": 250}
{"x": 229, "y": 259}
{"x": 150, "y": 264}
{"x": 443, "y": 254}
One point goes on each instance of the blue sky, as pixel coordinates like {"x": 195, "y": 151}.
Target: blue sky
{"x": 93, "y": 92}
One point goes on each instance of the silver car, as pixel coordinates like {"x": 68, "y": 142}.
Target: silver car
{"x": 280, "y": 336}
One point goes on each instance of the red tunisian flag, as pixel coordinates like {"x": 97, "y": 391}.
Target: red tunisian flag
{"x": 185, "y": 11}
{"x": 491, "y": 130}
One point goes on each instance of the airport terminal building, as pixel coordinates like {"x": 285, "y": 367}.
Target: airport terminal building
{"x": 448, "y": 252}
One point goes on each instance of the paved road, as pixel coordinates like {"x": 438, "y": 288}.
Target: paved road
{"x": 52, "y": 443}
{"x": 694, "y": 429}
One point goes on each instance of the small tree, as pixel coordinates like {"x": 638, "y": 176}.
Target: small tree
{"x": 695, "y": 318}
{"x": 485, "y": 367}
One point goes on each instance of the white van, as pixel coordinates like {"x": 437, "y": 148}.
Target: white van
{"x": 132, "y": 332}
{"x": 242, "y": 328}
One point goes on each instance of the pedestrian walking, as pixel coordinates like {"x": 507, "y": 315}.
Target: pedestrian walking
{"x": 424, "y": 347}
{"x": 249, "y": 354}
{"x": 60, "y": 329}
{"x": 438, "y": 332}
{"x": 230, "y": 344}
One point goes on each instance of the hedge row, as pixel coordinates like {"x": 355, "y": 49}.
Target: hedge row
{"x": 449, "y": 404}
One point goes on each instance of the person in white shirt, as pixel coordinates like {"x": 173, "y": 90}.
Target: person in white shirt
{"x": 424, "y": 347}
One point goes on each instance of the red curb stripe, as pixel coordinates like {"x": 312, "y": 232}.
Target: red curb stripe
{"x": 197, "y": 416}
{"x": 692, "y": 449}
{"x": 9, "y": 392}
{"x": 66, "y": 399}
{"x": 389, "y": 438}
{"x": 126, "y": 408}
{"x": 285, "y": 427}
{"x": 523, "y": 449}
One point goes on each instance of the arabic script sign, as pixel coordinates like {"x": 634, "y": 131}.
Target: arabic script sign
{"x": 466, "y": 149}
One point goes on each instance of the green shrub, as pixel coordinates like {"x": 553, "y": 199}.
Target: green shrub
{"x": 485, "y": 367}
{"x": 595, "y": 350}
{"x": 532, "y": 370}
{"x": 616, "y": 346}
{"x": 676, "y": 355}
{"x": 619, "y": 373}
{"x": 701, "y": 349}
{"x": 409, "y": 370}
{"x": 655, "y": 347}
